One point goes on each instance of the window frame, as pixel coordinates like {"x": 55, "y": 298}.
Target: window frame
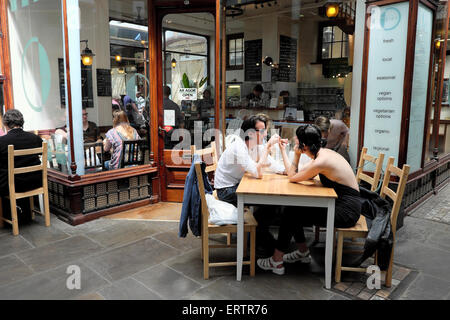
{"x": 322, "y": 26}
{"x": 230, "y": 37}
{"x": 207, "y": 55}
{"x": 5, "y": 74}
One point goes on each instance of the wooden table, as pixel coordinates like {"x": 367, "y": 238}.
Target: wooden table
{"x": 274, "y": 189}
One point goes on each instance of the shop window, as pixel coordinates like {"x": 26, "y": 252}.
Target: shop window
{"x": 235, "y": 51}
{"x": 121, "y": 32}
{"x": 186, "y": 78}
{"x": 186, "y": 60}
{"x": 334, "y": 43}
{"x": 186, "y": 43}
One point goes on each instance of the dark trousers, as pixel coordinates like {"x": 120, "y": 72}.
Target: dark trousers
{"x": 228, "y": 194}
{"x": 295, "y": 218}
{"x": 23, "y": 210}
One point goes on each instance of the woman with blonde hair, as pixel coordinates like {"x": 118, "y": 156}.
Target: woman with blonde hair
{"x": 121, "y": 131}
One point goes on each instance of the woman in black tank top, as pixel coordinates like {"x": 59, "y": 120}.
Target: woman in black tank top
{"x": 347, "y": 209}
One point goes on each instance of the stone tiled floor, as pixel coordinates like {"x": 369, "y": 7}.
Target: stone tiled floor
{"x": 436, "y": 208}
{"x": 121, "y": 259}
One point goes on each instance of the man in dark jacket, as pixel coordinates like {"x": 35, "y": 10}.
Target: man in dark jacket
{"x": 13, "y": 122}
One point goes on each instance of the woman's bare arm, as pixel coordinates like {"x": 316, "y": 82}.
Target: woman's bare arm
{"x": 309, "y": 171}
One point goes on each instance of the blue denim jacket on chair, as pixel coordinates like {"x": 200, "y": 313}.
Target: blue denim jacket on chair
{"x": 191, "y": 209}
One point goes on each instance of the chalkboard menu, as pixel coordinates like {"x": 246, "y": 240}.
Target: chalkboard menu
{"x": 86, "y": 86}
{"x": 104, "y": 83}
{"x": 287, "y": 69}
{"x": 253, "y": 58}
{"x": 62, "y": 85}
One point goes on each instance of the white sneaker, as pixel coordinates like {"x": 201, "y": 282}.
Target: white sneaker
{"x": 269, "y": 264}
{"x": 296, "y": 255}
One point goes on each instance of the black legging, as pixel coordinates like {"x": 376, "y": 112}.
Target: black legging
{"x": 347, "y": 212}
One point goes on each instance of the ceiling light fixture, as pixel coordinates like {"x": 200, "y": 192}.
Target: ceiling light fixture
{"x": 268, "y": 61}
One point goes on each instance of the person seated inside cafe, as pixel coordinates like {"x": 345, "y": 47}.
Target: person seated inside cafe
{"x": 116, "y": 102}
{"x": 256, "y": 93}
{"x": 90, "y": 130}
{"x": 336, "y": 134}
{"x": 13, "y": 122}
{"x": 334, "y": 172}
{"x": 113, "y": 142}
{"x": 15, "y": 135}
{"x": 242, "y": 156}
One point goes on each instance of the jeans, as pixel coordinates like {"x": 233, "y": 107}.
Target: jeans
{"x": 228, "y": 194}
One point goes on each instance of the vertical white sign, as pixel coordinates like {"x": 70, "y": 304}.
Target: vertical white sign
{"x": 385, "y": 75}
{"x": 420, "y": 86}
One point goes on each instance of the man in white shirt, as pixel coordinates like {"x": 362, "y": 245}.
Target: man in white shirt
{"x": 237, "y": 159}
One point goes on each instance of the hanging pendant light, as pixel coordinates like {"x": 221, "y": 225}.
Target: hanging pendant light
{"x": 87, "y": 56}
{"x": 174, "y": 63}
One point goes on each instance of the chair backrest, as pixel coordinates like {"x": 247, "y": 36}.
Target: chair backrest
{"x": 93, "y": 155}
{"x": 132, "y": 153}
{"x": 26, "y": 152}
{"x": 57, "y": 155}
{"x": 201, "y": 190}
{"x": 209, "y": 155}
{"x": 378, "y": 161}
{"x": 395, "y": 196}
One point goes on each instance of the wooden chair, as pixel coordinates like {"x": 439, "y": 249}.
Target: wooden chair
{"x": 360, "y": 175}
{"x": 207, "y": 229}
{"x": 360, "y": 230}
{"x": 14, "y": 196}
{"x": 93, "y": 156}
{"x": 210, "y": 153}
{"x": 132, "y": 153}
{"x": 56, "y": 154}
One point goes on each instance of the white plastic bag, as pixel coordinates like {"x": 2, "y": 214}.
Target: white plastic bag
{"x": 221, "y": 212}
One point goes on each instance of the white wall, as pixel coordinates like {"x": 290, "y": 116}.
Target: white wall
{"x": 41, "y": 20}
{"x": 94, "y": 22}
